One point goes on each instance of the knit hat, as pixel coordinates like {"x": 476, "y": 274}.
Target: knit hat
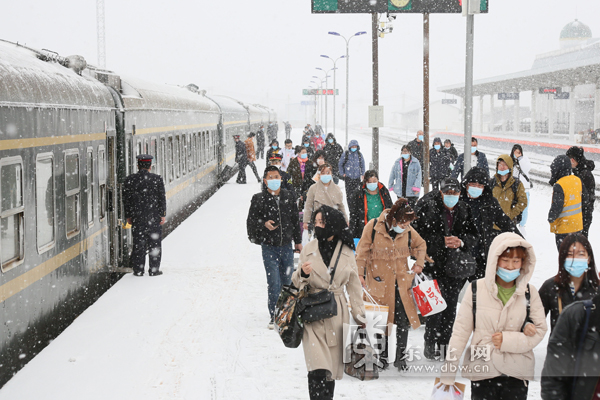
{"x": 437, "y": 140}
{"x": 576, "y": 153}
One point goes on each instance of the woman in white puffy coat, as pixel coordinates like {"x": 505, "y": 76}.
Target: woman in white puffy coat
{"x": 521, "y": 168}
{"x": 500, "y": 361}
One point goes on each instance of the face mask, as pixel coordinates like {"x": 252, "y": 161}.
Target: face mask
{"x": 303, "y": 156}
{"x": 420, "y": 137}
{"x": 330, "y": 140}
{"x": 473, "y": 149}
{"x": 306, "y": 144}
{"x": 372, "y": 186}
{"x": 508, "y": 275}
{"x": 405, "y": 156}
{"x": 397, "y": 229}
{"x": 576, "y": 266}
{"x": 320, "y": 161}
{"x": 450, "y": 200}
{"x": 519, "y": 158}
{"x": 274, "y": 184}
{"x": 320, "y": 233}
{"x": 325, "y": 178}
{"x": 502, "y": 173}
{"x": 475, "y": 192}
{"x": 274, "y": 147}
{"x": 436, "y": 146}
{"x": 447, "y": 147}
{"x": 353, "y": 149}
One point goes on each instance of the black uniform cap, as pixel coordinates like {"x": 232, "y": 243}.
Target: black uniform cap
{"x": 145, "y": 158}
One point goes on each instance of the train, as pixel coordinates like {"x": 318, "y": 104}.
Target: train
{"x": 69, "y": 136}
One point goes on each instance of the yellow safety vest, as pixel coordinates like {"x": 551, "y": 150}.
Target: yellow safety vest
{"x": 571, "y": 217}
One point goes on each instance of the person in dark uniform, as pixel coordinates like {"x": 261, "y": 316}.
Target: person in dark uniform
{"x": 260, "y": 143}
{"x": 240, "y": 159}
{"x": 145, "y": 209}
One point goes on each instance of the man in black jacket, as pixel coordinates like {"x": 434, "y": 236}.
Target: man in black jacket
{"x": 439, "y": 164}
{"x": 260, "y": 142}
{"x": 444, "y": 222}
{"x": 416, "y": 147}
{"x": 273, "y": 223}
{"x": 582, "y": 168}
{"x": 241, "y": 159}
{"x": 145, "y": 207}
{"x": 333, "y": 153}
{"x": 567, "y": 352}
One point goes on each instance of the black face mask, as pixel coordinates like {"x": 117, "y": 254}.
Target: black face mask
{"x": 320, "y": 233}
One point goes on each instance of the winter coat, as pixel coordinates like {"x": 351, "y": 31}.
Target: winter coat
{"x": 250, "y": 152}
{"x": 319, "y": 195}
{"x": 333, "y": 153}
{"x": 383, "y": 264}
{"x": 288, "y": 155}
{"x": 359, "y": 218}
{"x": 413, "y": 179}
{"x": 240, "y": 154}
{"x": 459, "y": 166}
{"x": 295, "y": 172}
{"x": 505, "y": 194}
{"x": 416, "y": 149}
{"x": 488, "y": 217}
{"x": 270, "y": 152}
{"x": 522, "y": 168}
{"x": 452, "y": 152}
{"x": 144, "y": 198}
{"x": 323, "y": 341}
{"x": 431, "y": 225}
{"x": 260, "y": 138}
{"x": 439, "y": 164}
{"x": 311, "y": 148}
{"x": 284, "y": 214}
{"x": 352, "y": 164}
{"x": 309, "y": 176}
{"x": 286, "y": 183}
{"x": 559, "y": 367}
{"x": 583, "y": 171}
{"x": 515, "y": 357}
{"x": 550, "y": 292}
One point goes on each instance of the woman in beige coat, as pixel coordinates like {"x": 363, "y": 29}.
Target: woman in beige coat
{"x": 500, "y": 362}
{"x": 383, "y": 270}
{"x": 323, "y": 340}
{"x": 323, "y": 193}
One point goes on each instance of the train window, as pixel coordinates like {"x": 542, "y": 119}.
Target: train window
{"x": 189, "y": 153}
{"x": 201, "y": 149}
{"x": 102, "y": 181}
{"x": 163, "y": 163}
{"x": 12, "y": 212}
{"x": 194, "y": 155}
{"x": 72, "y": 189}
{"x": 146, "y": 149}
{"x": 44, "y": 201}
{"x": 183, "y": 153}
{"x": 89, "y": 185}
{"x": 128, "y": 156}
{"x": 154, "y": 169}
{"x": 206, "y": 147}
{"x": 176, "y": 157}
{"x": 170, "y": 158}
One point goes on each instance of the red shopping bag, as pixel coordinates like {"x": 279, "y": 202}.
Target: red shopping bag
{"x": 427, "y": 295}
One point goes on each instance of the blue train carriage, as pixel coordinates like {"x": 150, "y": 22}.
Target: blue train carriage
{"x": 54, "y": 244}
{"x": 234, "y": 121}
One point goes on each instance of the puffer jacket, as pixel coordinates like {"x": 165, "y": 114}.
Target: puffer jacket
{"x": 284, "y": 213}
{"x": 505, "y": 193}
{"x": 583, "y": 171}
{"x": 439, "y": 163}
{"x": 515, "y": 357}
{"x": 413, "y": 179}
{"x": 333, "y": 153}
{"x": 352, "y": 164}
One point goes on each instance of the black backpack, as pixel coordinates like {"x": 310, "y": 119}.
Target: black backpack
{"x": 474, "y": 290}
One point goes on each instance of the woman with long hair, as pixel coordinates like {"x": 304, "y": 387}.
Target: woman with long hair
{"x": 521, "y": 168}
{"x": 323, "y": 193}
{"x": 371, "y": 200}
{"x": 576, "y": 279}
{"x": 330, "y": 254}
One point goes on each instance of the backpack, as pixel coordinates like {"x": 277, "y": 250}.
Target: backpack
{"x": 474, "y": 290}
{"x": 515, "y": 189}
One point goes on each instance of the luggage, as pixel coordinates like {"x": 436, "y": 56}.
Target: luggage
{"x": 287, "y": 319}
{"x": 428, "y": 296}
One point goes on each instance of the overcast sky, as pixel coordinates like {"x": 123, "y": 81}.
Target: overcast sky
{"x": 266, "y": 51}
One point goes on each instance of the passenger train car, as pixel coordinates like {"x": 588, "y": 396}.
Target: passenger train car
{"x": 69, "y": 135}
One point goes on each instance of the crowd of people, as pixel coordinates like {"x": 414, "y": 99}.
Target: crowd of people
{"x": 478, "y": 215}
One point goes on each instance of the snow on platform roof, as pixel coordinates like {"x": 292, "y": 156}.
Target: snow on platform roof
{"x": 29, "y": 81}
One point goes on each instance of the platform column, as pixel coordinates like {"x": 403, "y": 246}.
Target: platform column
{"x": 491, "y": 126}
{"x": 504, "y": 117}
{"x": 550, "y": 115}
{"x": 532, "y": 128}
{"x": 517, "y": 119}
{"x": 481, "y": 114}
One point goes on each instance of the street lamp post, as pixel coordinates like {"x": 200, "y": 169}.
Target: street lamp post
{"x": 326, "y": 88}
{"x": 347, "y": 71}
{"x": 317, "y": 99}
{"x": 334, "y": 94}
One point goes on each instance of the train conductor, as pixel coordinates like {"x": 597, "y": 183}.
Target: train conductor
{"x": 145, "y": 209}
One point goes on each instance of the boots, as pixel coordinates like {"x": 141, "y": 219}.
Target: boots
{"x": 319, "y": 388}
{"x": 401, "y": 340}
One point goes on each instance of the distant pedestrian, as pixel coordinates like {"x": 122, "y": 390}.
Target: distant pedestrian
{"x": 478, "y": 159}
{"x": 582, "y": 168}
{"x": 521, "y": 169}
{"x": 273, "y": 224}
{"x": 576, "y": 280}
{"x": 297, "y": 169}
{"x": 352, "y": 170}
{"x": 251, "y": 155}
{"x": 444, "y": 222}
{"x": 329, "y": 257}
{"x": 449, "y": 146}
{"x": 568, "y": 210}
{"x": 288, "y": 129}
{"x": 509, "y": 192}
{"x": 333, "y": 153}
{"x": 416, "y": 147}
{"x": 307, "y": 143}
{"x": 504, "y": 315}
{"x": 260, "y": 142}
{"x": 439, "y": 164}
{"x": 288, "y": 153}
{"x": 373, "y": 198}
{"x": 241, "y": 158}
{"x": 406, "y": 177}
{"x": 145, "y": 207}
{"x": 323, "y": 192}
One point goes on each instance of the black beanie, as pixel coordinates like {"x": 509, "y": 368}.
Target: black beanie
{"x": 576, "y": 153}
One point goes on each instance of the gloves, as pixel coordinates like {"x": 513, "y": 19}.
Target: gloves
{"x": 416, "y": 189}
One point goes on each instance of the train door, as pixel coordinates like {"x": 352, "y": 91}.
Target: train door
{"x": 111, "y": 202}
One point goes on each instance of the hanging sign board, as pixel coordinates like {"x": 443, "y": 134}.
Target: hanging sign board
{"x": 375, "y": 116}
{"x": 392, "y": 6}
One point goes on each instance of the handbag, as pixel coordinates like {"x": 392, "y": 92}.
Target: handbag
{"x": 287, "y": 319}
{"x": 320, "y": 305}
{"x": 459, "y": 263}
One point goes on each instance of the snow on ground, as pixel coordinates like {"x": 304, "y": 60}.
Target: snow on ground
{"x": 200, "y": 330}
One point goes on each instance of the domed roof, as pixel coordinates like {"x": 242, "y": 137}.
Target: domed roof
{"x": 575, "y": 30}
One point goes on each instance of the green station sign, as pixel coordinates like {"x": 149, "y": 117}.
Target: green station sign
{"x": 391, "y": 6}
